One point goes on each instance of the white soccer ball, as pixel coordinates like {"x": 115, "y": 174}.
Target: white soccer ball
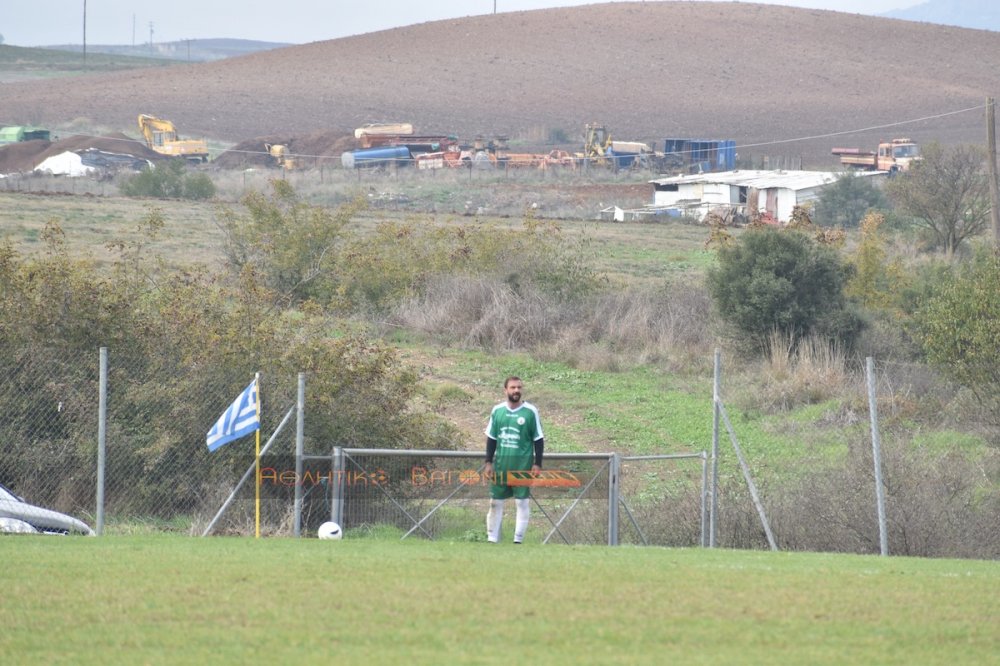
{"x": 330, "y": 530}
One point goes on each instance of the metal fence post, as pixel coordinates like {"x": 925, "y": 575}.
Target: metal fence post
{"x": 300, "y": 424}
{"x": 614, "y": 496}
{"x": 883, "y": 537}
{"x": 704, "y": 499}
{"x": 337, "y": 489}
{"x": 714, "y": 509}
{"x": 102, "y": 422}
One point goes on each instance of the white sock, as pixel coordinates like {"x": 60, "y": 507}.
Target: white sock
{"x": 521, "y": 521}
{"x": 493, "y": 520}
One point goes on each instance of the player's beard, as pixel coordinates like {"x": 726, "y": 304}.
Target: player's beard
{"x": 515, "y": 397}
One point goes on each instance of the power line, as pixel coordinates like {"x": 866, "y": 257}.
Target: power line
{"x": 864, "y": 129}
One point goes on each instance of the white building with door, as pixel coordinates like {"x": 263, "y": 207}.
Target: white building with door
{"x": 771, "y": 193}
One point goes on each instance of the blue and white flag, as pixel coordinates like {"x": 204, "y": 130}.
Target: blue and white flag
{"x": 241, "y": 418}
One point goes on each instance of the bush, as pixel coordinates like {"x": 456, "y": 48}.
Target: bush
{"x": 401, "y": 261}
{"x": 937, "y": 504}
{"x": 847, "y": 201}
{"x": 169, "y": 180}
{"x": 198, "y": 186}
{"x": 772, "y": 280}
{"x": 180, "y": 348}
{"x": 293, "y": 246}
{"x": 958, "y": 328}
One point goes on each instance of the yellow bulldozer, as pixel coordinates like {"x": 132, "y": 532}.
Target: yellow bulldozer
{"x": 161, "y": 136}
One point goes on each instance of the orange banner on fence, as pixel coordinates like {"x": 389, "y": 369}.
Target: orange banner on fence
{"x": 543, "y": 479}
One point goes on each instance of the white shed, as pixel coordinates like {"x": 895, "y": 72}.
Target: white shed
{"x": 774, "y": 193}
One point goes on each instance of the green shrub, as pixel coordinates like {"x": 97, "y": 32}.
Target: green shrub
{"x": 772, "y": 280}
{"x": 198, "y": 186}
{"x": 401, "y": 260}
{"x": 958, "y": 327}
{"x": 169, "y": 180}
{"x": 847, "y": 201}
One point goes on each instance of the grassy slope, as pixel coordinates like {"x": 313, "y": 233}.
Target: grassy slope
{"x": 642, "y": 410}
{"x": 182, "y": 600}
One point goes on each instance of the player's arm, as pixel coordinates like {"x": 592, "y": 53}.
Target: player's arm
{"x": 491, "y": 449}
{"x": 539, "y": 451}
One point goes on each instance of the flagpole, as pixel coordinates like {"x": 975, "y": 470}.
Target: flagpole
{"x": 256, "y": 379}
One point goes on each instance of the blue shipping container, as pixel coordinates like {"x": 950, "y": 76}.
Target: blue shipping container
{"x": 696, "y": 155}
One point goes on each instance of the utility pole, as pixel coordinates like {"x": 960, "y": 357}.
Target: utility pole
{"x": 991, "y": 164}
{"x": 84, "y": 33}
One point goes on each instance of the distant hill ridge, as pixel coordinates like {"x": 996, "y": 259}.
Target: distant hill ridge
{"x": 976, "y": 14}
{"x": 195, "y": 50}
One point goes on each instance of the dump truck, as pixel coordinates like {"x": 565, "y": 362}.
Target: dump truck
{"x": 891, "y": 156}
{"x": 161, "y": 136}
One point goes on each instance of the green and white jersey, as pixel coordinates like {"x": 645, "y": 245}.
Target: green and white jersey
{"x": 516, "y": 431}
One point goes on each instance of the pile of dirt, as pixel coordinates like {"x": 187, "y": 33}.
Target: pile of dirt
{"x": 315, "y": 150}
{"x": 25, "y": 156}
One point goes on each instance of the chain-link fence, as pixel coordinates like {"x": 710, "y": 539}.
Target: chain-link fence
{"x": 134, "y": 457}
{"x": 156, "y": 473}
{"x": 121, "y": 445}
{"x": 48, "y": 430}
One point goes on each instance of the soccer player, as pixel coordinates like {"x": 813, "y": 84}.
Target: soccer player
{"x": 514, "y": 443}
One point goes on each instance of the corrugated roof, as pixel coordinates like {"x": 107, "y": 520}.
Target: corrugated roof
{"x": 792, "y": 180}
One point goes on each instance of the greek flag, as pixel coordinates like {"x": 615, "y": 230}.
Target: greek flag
{"x": 241, "y": 418}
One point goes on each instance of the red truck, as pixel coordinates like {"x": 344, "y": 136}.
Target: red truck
{"x": 892, "y": 156}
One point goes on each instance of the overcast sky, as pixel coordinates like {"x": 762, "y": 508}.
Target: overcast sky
{"x": 45, "y": 22}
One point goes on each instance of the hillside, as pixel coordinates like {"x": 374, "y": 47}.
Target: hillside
{"x": 760, "y": 74}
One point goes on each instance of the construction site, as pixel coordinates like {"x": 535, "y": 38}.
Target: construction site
{"x": 373, "y": 146}
{"x": 645, "y": 104}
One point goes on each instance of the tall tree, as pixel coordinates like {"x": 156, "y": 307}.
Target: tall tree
{"x": 946, "y": 193}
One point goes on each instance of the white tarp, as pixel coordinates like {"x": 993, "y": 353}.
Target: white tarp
{"x": 65, "y": 164}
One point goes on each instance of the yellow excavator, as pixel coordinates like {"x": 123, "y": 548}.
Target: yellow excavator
{"x": 597, "y": 144}
{"x": 280, "y": 156}
{"x": 161, "y": 136}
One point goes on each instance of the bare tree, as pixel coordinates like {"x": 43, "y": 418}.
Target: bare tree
{"x": 947, "y": 193}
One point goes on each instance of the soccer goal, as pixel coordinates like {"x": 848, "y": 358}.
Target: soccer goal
{"x": 579, "y": 498}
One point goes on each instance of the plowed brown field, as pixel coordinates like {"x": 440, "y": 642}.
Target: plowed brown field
{"x": 780, "y": 81}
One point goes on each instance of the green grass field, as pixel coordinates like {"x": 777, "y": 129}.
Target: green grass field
{"x": 172, "y": 599}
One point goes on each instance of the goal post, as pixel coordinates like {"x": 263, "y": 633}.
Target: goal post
{"x": 579, "y": 498}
